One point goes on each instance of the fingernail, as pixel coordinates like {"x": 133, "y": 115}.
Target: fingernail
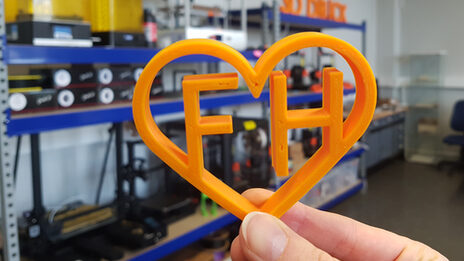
{"x": 264, "y": 235}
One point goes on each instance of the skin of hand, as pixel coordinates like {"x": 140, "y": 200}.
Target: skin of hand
{"x": 305, "y": 233}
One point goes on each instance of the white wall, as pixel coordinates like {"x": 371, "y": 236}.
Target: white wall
{"x": 423, "y": 26}
{"x": 386, "y": 43}
{"x": 431, "y": 26}
{"x": 358, "y": 11}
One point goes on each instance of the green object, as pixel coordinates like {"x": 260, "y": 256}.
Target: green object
{"x": 204, "y": 206}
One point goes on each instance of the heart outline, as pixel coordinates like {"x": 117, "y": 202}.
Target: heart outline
{"x": 320, "y": 163}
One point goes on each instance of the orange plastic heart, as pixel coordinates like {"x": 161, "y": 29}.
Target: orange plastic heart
{"x": 313, "y": 170}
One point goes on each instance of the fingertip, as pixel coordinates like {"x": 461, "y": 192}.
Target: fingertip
{"x": 257, "y": 196}
{"x": 236, "y": 252}
{"x": 264, "y": 236}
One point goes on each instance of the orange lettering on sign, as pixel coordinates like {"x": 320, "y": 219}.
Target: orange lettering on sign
{"x": 320, "y": 9}
{"x": 288, "y": 7}
{"x": 316, "y": 9}
{"x": 337, "y": 16}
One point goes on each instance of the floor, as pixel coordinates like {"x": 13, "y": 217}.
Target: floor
{"x": 414, "y": 200}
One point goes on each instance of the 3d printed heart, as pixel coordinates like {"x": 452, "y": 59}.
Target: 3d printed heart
{"x": 337, "y": 135}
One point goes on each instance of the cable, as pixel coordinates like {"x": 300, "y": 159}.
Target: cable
{"x": 103, "y": 169}
{"x": 16, "y": 160}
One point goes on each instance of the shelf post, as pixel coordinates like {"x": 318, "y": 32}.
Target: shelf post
{"x": 9, "y": 226}
{"x": 265, "y": 25}
{"x": 276, "y": 20}
{"x": 38, "y": 208}
{"x": 363, "y": 40}
{"x": 243, "y": 16}
{"x": 120, "y": 195}
{"x": 187, "y": 13}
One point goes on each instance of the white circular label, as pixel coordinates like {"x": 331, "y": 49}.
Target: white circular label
{"x": 17, "y": 101}
{"x": 62, "y": 78}
{"x": 65, "y": 98}
{"x": 105, "y": 76}
{"x": 106, "y": 96}
{"x": 137, "y": 73}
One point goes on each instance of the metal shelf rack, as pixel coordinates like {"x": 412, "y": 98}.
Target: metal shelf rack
{"x": 25, "y": 54}
{"x": 297, "y": 22}
{"x": 34, "y": 124}
{"x": 266, "y": 16}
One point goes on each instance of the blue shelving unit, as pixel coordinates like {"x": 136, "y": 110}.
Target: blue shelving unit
{"x": 98, "y": 115}
{"x": 311, "y": 23}
{"x": 348, "y": 156}
{"x": 298, "y": 21}
{"x": 196, "y": 234}
{"x": 39, "y": 55}
{"x": 295, "y": 22}
{"x": 36, "y": 123}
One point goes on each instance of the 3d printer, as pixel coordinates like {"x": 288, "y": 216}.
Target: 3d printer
{"x": 48, "y": 22}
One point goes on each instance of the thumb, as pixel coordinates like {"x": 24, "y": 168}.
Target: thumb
{"x": 264, "y": 237}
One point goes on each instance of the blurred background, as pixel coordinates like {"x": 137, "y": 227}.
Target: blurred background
{"x": 78, "y": 183}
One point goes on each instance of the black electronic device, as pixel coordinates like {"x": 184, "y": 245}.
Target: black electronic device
{"x": 157, "y": 89}
{"x": 76, "y": 218}
{"x": 29, "y": 93}
{"x": 297, "y": 74}
{"x": 42, "y": 230}
{"x": 74, "y": 86}
{"x": 137, "y": 234}
{"x": 177, "y": 78}
{"x": 68, "y": 253}
{"x": 72, "y": 97}
{"x": 119, "y": 74}
{"x": 41, "y": 235}
{"x": 168, "y": 207}
{"x": 176, "y": 198}
{"x": 119, "y": 39}
{"x": 97, "y": 245}
{"x": 62, "y": 253}
{"x": 50, "y": 33}
{"x": 30, "y": 101}
{"x": 240, "y": 159}
{"x": 74, "y": 76}
{"x": 92, "y": 246}
{"x": 312, "y": 141}
{"x": 218, "y": 242}
{"x": 251, "y": 153}
{"x": 116, "y": 83}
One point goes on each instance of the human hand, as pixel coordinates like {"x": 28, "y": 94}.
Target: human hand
{"x": 305, "y": 233}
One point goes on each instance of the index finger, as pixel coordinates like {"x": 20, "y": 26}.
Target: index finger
{"x": 341, "y": 237}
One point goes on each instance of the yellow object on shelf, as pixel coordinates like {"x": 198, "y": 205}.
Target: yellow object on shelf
{"x": 115, "y": 15}
{"x": 25, "y": 10}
